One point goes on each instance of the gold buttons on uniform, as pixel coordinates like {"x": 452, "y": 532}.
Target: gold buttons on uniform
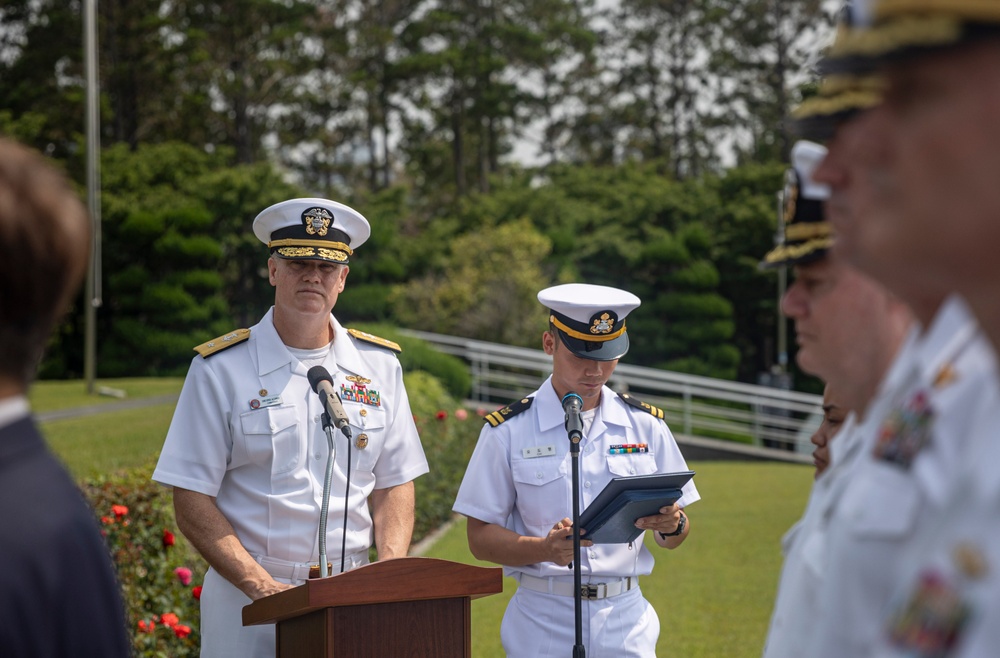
{"x": 362, "y": 441}
{"x": 364, "y": 412}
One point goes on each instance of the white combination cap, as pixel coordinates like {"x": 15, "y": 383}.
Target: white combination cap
{"x": 590, "y": 319}
{"x": 311, "y": 229}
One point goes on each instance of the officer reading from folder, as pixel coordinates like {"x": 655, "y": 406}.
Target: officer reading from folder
{"x": 517, "y": 491}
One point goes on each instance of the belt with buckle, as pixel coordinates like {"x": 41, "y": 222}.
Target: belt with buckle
{"x": 588, "y": 591}
{"x": 304, "y": 570}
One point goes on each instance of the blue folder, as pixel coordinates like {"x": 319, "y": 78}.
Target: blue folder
{"x": 611, "y": 517}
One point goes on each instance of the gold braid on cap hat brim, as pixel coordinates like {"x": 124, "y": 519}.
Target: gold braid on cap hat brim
{"x": 844, "y": 102}
{"x": 807, "y": 231}
{"x": 318, "y": 245}
{"x": 897, "y": 33}
{"x": 794, "y": 251}
{"x": 963, "y": 10}
{"x": 590, "y": 338}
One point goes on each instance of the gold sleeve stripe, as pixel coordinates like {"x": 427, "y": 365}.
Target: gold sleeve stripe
{"x": 593, "y": 338}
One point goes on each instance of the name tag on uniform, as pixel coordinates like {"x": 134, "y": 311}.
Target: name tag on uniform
{"x": 269, "y": 401}
{"x": 540, "y": 451}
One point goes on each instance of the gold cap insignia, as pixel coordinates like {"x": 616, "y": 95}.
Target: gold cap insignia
{"x": 603, "y": 324}
{"x": 317, "y": 221}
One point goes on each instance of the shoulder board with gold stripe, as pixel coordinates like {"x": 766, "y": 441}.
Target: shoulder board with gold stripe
{"x": 508, "y": 412}
{"x": 639, "y": 404}
{"x": 381, "y": 342}
{"x": 223, "y": 342}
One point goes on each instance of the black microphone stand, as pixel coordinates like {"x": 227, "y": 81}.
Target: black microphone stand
{"x": 579, "y": 651}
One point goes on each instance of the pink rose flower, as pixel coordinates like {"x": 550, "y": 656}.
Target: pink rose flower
{"x": 184, "y": 575}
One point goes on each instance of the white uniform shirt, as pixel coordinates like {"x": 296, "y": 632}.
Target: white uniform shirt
{"x": 888, "y": 499}
{"x": 529, "y": 494}
{"x": 804, "y": 570}
{"x": 247, "y": 430}
{"x": 947, "y": 599}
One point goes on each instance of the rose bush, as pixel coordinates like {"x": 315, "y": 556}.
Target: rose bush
{"x": 159, "y": 572}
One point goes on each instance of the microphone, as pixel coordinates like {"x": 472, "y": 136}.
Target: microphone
{"x": 572, "y": 404}
{"x": 322, "y": 384}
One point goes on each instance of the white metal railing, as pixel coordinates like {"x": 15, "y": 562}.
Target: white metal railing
{"x": 692, "y": 405}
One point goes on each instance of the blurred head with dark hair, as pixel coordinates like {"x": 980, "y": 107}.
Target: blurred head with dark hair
{"x": 44, "y": 246}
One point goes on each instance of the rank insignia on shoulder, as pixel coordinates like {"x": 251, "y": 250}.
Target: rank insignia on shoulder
{"x": 508, "y": 412}
{"x": 375, "y": 340}
{"x": 639, "y": 404}
{"x": 223, "y": 342}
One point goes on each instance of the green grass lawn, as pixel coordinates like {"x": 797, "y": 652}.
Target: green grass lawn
{"x": 713, "y": 594}
{"x": 53, "y": 395}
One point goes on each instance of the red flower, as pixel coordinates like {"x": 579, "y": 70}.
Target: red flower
{"x": 147, "y": 626}
{"x": 180, "y": 630}
{"x": 461, "y": 414}
{"x": 168, "y": 538}
{"x": 184, "y": 575}
{"x": 119, "y": 510}
{"x": 441, "y": 415}
{"x": 196, "y": 591}
{"x": 169, "y": 619}
{"x": 107, "y": 520}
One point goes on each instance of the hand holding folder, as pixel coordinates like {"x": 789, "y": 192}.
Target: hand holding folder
{"x": 611, "y": 517}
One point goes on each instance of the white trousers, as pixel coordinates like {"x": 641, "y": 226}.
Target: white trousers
{"x": 543, "y": 625}
{"x": 223, "y": 634}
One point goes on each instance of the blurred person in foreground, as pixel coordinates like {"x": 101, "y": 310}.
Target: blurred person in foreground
{"x": 59, "y": 596}
{"x": 909, "y": 457}
{"x": 930, "y": 153}
{"x": 850, "y": 332}
{"x": 246, "y": 452}
{"x": 517, "y": 491}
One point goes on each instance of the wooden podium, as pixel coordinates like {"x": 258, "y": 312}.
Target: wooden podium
{"x": 410, "y": 606}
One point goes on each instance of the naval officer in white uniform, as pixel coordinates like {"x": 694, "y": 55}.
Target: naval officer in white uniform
{"x": 246, "y": 452}
{"x": 517, "y": 491}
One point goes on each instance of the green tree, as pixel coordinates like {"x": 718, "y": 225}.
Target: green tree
{"x": 761, "y": 51}
{"x": 470, "y": 66}
{"x": 179, "y": 259}
{"x": 484, "y": 288}
{"x": 659, "y": 81}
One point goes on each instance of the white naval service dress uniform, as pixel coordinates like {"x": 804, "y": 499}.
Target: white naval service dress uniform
{"x": 247, "y": 431}
{"x": 507, "y": 485}
{"x": 804, "y": 571}
{"x": 902, "y": 481}
{"x": 947, "y": 602}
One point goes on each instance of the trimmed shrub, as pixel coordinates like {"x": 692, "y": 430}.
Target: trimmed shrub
{"x": 419, "y": 355}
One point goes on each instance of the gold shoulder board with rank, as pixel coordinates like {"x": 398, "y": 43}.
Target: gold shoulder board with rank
{"x": 639, "y": 404}
{"x": 508, "y": 412}
{"x": 223, "y": 342}
{"x": 375, "y": 340}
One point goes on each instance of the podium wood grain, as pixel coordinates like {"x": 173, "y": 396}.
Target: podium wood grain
{"x": 406, "y": 607}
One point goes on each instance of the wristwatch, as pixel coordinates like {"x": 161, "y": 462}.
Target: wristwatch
{"x": 678, "y": 530}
